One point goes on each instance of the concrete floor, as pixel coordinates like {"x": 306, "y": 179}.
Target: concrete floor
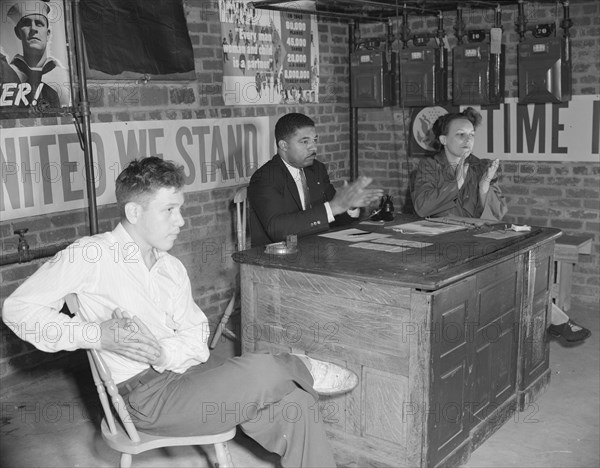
{"x": 54, "y": 423}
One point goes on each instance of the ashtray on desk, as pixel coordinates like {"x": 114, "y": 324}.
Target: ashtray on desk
{"x": 280, "y": 248}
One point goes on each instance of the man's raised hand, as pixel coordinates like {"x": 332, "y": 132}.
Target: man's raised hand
{"x": 354, "y": 195}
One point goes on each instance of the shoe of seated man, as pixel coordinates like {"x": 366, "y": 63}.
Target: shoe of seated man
{"x": 329, "y": 378}
{"x": 569, "y": 331}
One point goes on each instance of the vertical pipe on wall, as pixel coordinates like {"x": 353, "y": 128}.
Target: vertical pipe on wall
{"x": 565, "y": 24}
{"x": 521, "y": 22}
{"x": 84, "y": 109}
{"x": 353, "y": 110}
{"x": 459, "y": 27}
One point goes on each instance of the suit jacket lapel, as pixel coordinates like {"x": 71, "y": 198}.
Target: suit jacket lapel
{"x": 290, "y": 183}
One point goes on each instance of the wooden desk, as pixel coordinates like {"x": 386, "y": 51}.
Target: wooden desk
{"x": 448, "y": 341}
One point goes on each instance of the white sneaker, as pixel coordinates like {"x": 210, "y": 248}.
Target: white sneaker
{"x": 330, "y": 379}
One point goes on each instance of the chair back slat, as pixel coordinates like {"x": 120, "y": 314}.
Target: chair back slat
{"x": 241, "y": 203}
{"x": 102, "y": 394}
{"x": 104, "y": 382}
{"x": 116, "y": 398}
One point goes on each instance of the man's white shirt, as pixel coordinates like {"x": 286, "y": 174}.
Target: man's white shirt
{"x": 106, "y": 272}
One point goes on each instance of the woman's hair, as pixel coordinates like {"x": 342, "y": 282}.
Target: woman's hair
{"x": 441, "y": 125}
{"x": 141, "y": 178}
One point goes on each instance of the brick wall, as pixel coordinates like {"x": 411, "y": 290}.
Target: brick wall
{"x": 562, "y": 195}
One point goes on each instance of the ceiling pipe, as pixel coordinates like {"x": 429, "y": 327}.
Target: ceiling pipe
{"x": 310, "y": 8}
{"x": 270, "y": 5}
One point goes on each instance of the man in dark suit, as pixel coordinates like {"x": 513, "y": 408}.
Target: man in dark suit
{"x": 278, "y": 204}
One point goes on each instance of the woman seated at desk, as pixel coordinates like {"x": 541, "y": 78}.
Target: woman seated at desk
{"x": 456, "y": 182}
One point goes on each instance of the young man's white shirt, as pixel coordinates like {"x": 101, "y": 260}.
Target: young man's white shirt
{"x": 106, "y": 272}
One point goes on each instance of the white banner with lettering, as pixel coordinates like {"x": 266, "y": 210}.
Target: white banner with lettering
{"x": 42, "y": 168}
{"x": 567, "y": 132}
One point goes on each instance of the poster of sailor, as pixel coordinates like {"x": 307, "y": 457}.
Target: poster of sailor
{"x": 34, "y": 71}
{"x": 268, "y": 57}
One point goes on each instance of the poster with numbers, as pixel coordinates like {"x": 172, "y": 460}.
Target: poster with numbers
{"x": 269, "y": 57}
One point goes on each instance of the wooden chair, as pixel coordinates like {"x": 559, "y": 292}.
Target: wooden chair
{"x": 566, "y": 255}
{"x": 240, "y": 199}
{"x": 122, "y": 435}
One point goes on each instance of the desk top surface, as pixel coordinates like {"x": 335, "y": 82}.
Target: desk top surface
{"x": 384, "y": 254}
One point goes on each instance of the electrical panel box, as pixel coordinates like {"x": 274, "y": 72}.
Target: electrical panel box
{"x": 423, "y": 76}
{"x": 544, "y": 71}
{"x": 373, "y": 78}
{"x": 478, "y": 75}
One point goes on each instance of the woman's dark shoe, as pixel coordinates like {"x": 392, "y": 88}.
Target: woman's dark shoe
{"x": 570, "y": 331}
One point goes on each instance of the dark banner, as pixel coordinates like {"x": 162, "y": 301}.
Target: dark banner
{"x": 139, "y": 36}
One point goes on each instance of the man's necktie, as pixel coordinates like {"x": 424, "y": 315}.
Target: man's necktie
{"x": 305, "y": 191}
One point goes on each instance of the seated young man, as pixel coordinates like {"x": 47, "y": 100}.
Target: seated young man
{"x": 154, "y": 337}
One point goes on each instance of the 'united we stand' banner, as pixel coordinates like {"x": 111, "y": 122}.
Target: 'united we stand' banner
{"x": 34, "y": 69}
{"x": 42, "y": 170}
{"x": 268, "y": 57}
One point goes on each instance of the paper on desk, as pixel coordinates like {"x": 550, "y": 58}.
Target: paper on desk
{"x": 465, "y": 221}
{"x": 354, "y": 235}
{"x": 500, "y": 234}
{"x": 382, "y": 247}
{"x": 372, "y": 223}
{"x": 520, "y": 228}
{"x": 403, "y": 242}
{"x": 426, "y": 228}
